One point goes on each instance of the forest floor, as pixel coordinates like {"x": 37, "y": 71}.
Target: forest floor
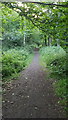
{"x": 32, "y": 95}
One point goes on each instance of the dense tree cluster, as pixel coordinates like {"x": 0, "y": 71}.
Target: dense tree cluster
{"x": 50, "y": 19}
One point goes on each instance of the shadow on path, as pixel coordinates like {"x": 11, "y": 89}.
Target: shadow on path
{"x": 32, "y": 96}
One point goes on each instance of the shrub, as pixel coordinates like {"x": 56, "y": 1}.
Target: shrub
{"x": 13, "y": 61}
{"x": 55, "y": 59}
{"x": 49, "y": 54}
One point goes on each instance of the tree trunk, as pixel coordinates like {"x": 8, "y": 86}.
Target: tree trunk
{"x": 24, "y": 38}
{"x": 58, "y": 42}
{"x": 24, "y": 31}
{"x": 49, "y": 41}
{"x": 45, "y": 41}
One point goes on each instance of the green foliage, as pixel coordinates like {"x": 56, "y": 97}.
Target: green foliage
{"x": 61, "y": 90}
{"x": 14, "y": 61}
{"x": 59, "y": 67}
{"x": 12, "y": 39}
{"x": 55, "y": 60}
{"x": 43, "y": 25}
{"x": 50, "y": 54}
{"x": 51, "y": 20}
{"x": 14, "y": 27}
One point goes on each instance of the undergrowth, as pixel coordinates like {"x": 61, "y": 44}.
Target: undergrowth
{"x": 13, "y": 61}
{"x": 54, "y": 58}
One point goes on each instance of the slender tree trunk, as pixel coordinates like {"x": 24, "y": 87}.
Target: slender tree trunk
{"x": 24, "y": 29}
{"x": 45, "y": 40}
{"x": 24, "y": 38}
{"x": 58, "y": 42}
{"x": 24, "y": 42}
{"x": 49, "y": 41}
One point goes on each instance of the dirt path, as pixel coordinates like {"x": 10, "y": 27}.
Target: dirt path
{"x": 32, "y": 96}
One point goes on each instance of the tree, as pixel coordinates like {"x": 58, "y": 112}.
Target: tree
{"x": 46, "y": 18}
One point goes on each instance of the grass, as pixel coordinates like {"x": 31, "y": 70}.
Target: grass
{"x": 54, "y": 58}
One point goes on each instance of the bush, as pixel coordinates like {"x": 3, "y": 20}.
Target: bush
{"x": 13, "y": 61}
{"x": 55, "y": 59}
{"x": 49, "y": 54}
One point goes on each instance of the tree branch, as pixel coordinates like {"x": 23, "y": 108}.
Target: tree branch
{"x": 41, "y": 3}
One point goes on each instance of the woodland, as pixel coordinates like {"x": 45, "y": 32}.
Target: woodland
{"x": 30, "y": 26}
